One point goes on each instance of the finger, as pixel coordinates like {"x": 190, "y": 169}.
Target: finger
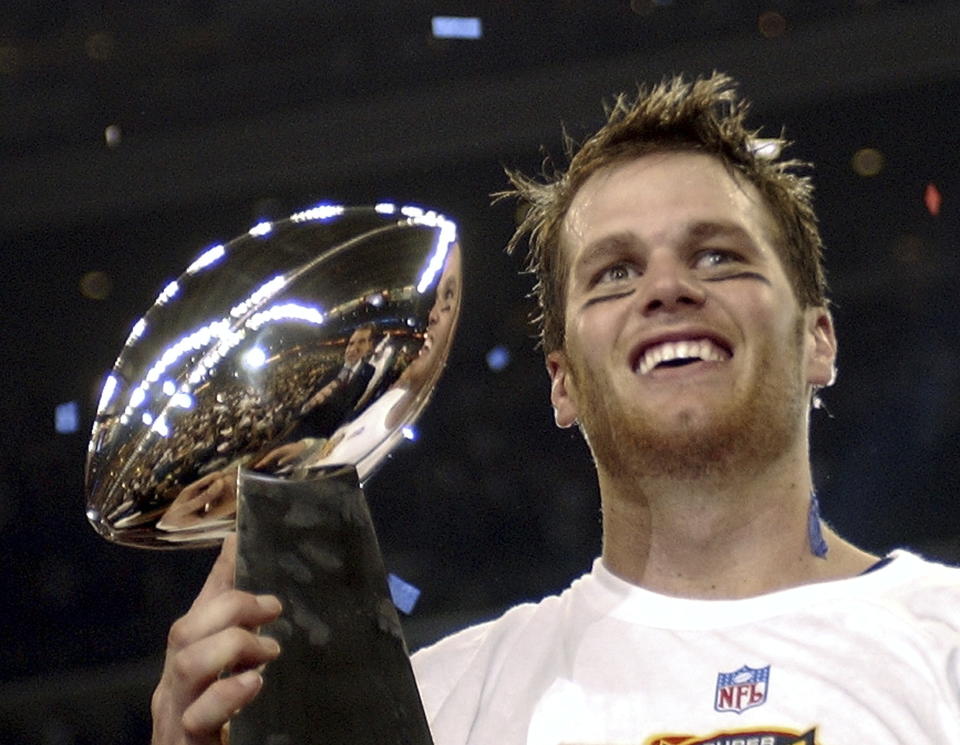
{"x": 212, "y": 476}
{"x": 202, "y": 483}
{"x": 224, "y": 611}
{"x": 266, "y": 460}
{"x": 198, "y": 666}
{"x": 215, "y": 489}
{"x": 205, "y": 717}
{"x": 190, "y": 670}
{"x": 221, "y": 574}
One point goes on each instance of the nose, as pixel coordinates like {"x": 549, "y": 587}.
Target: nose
{"x": 670, "y": 285}
{"x": 434, "y": 318}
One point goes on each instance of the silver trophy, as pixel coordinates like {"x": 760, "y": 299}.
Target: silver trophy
{"x": 263, "y": 387}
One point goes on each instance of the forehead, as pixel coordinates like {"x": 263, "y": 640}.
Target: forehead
{"x": 451, "y": 267}
{"x": 654, "y": 194}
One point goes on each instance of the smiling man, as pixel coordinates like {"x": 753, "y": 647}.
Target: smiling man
{"x": 689, "y": 363}
{"x": 687, "y": 332}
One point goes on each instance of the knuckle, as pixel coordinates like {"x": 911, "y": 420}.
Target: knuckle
{"x": 158, "y": 701}
{"x": 178, "y": 636}
{"x": 237, "y": 638}
{"x": 190, "y": 723}
{"x": 233, "y": 604}
{"x": 182, "y": 666}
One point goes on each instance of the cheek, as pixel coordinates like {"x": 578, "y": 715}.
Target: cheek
{"x": 595, "y": 330}
{"x": 768, "y": 314}
{"x": 441, "y": 329}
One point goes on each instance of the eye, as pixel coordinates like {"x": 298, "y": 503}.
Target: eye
{"x": 715, "y": 257}
{"x": 616, "y": 273}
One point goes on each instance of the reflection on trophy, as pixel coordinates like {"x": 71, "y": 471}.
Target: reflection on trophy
{"x": 257, "y": 394}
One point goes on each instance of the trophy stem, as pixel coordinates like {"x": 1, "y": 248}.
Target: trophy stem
{"x": 344, "y": 674}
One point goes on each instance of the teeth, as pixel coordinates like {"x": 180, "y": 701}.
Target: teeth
{"x": 702, "y": 349}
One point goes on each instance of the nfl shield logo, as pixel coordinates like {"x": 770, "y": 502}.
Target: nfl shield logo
{"x": 742, "y": 689}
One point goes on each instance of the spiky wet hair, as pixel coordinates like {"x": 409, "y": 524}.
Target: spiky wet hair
{"x": 705, "y": 116}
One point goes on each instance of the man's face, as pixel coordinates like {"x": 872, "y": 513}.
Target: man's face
{"x": 685, "y": 345}
{"x": 441, "y": 323}
{"x": 359, "y": 346}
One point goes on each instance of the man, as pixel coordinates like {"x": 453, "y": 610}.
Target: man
{"x": 687, "y": 333}
{"x": 339, "y": 393}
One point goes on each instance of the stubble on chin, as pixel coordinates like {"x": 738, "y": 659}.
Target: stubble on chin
{"x": 757, "y": 425}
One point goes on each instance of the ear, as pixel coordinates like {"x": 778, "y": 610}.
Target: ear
{"x": 821, "y": 347}
{"x": 562, "y": 390}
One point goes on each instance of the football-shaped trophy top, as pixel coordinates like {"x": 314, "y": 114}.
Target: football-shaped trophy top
{"x": 298, "y": 348}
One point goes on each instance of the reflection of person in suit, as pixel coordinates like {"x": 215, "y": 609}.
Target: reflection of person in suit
{"x": 387, "y": 368}
{"x": 339, "y": 392}
{"x": 332, "y": 404}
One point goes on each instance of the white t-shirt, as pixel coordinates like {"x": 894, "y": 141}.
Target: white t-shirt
{"x": 871, "y": 660}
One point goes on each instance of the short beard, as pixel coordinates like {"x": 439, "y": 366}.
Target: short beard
{"x": 755, "y": 428}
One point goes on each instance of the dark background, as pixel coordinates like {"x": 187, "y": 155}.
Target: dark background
{"x": 229, "y": 112}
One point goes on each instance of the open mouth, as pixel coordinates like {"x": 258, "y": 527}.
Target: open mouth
{"x": 425, "y": 347}
{"x": 679, "y": 354}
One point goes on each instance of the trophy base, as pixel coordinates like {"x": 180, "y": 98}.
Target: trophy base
{"x": 344, "y": 673}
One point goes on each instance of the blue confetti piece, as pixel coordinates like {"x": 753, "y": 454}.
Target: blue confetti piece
{"x": 66, "y": 418}
{"x": 498, "y": 358}
{"x": 403, "y": 594}
{"x": 453, "y": 27}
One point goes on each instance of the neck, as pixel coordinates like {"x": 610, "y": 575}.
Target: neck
{"x": 722, "y": 535}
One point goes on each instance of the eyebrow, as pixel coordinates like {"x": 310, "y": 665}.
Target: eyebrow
{"x": 704, "y": 230}
{"x": 692, "y": 232}
{"x": 597, "y": 250}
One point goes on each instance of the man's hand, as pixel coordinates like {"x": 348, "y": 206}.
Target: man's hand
{"x": 210, "y": 498}
{"x": 320, "y": 397}
{"x": 192, "y": 702}
{"x": 281, "y": 456}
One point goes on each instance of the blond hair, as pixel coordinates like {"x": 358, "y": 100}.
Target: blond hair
{"x": 704, "y": 116}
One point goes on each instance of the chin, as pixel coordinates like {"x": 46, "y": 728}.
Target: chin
{"x": 688, "y": 441}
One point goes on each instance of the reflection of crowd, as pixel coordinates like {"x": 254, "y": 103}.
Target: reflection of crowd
{"x": 226, "y": 420}
{"x": 352, "y": 415}
{"x": 342, "y": 394}
{"x": 341, "y": 390}
{"x": 308, "y": 400}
